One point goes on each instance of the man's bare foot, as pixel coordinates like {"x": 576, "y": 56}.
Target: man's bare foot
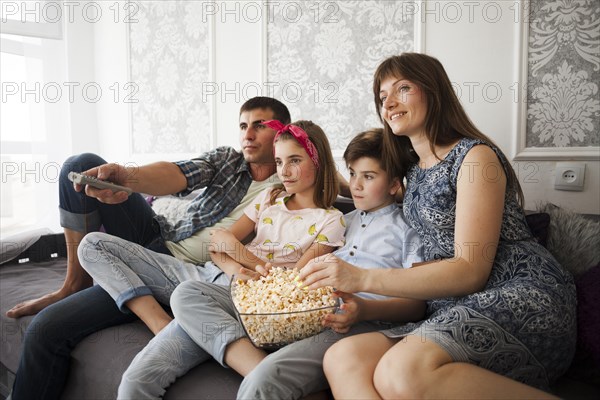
{"x": 34, "y": 306}
{"x": 76, "y": 279}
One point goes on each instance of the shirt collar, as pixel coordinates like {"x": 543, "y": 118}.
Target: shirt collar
{"x": 382, "y": 211}
{"x": 244, "y": 166}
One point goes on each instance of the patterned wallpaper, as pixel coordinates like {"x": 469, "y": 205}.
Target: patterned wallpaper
{"x": 169, "y": 55}
{"x": 323, "y": 55}
{"x": 564, "y": 72}
{"x": 321, "y": 58}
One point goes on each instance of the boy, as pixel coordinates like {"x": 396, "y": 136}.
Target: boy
{"x": 376, "y": 237}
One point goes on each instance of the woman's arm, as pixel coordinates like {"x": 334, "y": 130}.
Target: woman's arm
{"x": 479, "y": 209}
{"x": 393, "y": 310}
{"x": 317, "y": 251}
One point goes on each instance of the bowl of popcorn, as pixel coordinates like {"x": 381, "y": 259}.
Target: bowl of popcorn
{"x": 275, "y": 310}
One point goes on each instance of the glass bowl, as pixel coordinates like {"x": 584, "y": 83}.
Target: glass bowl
{"x": 273, "y": 330}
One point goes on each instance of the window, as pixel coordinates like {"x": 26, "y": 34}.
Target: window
{"x": 33, "y": 119}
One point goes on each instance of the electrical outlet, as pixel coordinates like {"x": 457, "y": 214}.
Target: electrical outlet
{"x": 569, "y": 176}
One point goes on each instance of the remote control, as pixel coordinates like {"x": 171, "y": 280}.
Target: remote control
{"x": 82, "y": 179}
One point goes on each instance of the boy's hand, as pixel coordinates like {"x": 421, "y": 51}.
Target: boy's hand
{"x": 341, "y": 323}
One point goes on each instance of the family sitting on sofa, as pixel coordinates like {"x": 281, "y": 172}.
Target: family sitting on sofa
{"x": 430, "y": 289}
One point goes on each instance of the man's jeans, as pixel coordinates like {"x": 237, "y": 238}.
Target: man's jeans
{"x": 54, "y": 332}
{"x": 131, "y": 220}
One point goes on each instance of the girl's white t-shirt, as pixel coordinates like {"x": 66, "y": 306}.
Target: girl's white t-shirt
{"x": 283, "y": 235}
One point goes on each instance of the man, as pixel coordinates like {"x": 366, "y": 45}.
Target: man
{"x": 231, "y": 180}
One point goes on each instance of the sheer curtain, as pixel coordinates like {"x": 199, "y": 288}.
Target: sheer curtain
{"x": 35, "y": 129}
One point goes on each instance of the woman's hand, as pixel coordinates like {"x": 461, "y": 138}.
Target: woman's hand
{"x": 331, "y": 271}
{"x": 342, "y": 322}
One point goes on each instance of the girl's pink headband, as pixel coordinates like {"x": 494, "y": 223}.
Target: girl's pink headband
{"x": 299, "y": 134}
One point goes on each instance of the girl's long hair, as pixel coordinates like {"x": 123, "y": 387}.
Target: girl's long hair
{"x": 446, "y": 120}
{"x": 326, "y": 182}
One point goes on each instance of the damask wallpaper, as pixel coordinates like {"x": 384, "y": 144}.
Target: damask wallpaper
{"x": 322, "y": 55}
{"x": 564, "y": 71}
{"x": 169, "y": 55}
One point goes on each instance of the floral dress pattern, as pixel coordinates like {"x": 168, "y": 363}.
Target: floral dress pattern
{"x": 522, "y": 324}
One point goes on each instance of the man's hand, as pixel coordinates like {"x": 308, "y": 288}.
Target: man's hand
{"x": 114, "y": 173}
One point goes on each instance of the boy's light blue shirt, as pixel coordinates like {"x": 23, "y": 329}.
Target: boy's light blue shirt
{"x": 380, "y": 239}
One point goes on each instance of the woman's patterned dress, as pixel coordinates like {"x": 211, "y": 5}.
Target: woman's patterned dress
{"x": 522, "y": 325}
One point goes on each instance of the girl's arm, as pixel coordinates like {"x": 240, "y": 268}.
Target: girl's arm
{"x": 479, "y": 208}
{"x": 226, "y": 263}
{"x": 228, "y": 248}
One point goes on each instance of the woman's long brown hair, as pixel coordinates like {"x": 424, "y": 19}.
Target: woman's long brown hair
{"x": 446, "y": 120}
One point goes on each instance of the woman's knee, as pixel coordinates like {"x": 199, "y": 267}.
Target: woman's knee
{"x": 407, "y": 369}
{"x": 396, "y": 378}
{"x": 343, "y": 354}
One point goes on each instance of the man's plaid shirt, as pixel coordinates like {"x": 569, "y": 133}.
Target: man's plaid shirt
{"x": 226, "y": 176}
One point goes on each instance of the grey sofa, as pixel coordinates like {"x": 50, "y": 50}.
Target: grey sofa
{"x": 99, "y": 361}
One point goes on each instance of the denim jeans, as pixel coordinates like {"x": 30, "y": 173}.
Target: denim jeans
{"x": 54, "y": 332}
{"x": 127, "y": 270}
{"x": 131, "y": 220}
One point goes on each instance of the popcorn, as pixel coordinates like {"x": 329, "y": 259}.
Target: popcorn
{"x": 275, "y": 311}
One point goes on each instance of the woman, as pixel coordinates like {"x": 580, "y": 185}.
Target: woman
{"x": 500, "y": 309}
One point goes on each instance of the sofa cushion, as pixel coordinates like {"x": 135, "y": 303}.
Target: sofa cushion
{"x": 539, "y": 223}
{"x": 586, "y": 363}
{"x": 572, "y": 239}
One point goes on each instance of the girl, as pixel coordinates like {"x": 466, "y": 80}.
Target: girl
{"x": 501, "y": 310}
{"x": 293, "y": 224}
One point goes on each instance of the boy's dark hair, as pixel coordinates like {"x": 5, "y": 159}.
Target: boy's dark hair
{"x": 370, "y": 144}
{"x": 280, "y": 111}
